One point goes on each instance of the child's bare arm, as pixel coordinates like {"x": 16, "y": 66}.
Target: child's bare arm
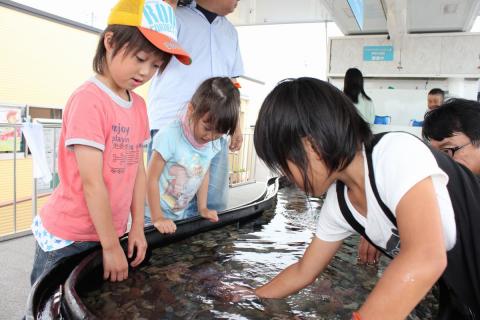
{"x": 155, "y": 169}
{"x": 90, "y": 164}
{"x": 202, "y": 194}
{"x": 136, "y": 237}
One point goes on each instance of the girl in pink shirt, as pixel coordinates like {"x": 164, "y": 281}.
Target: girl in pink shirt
{"x": 100, "y": 158}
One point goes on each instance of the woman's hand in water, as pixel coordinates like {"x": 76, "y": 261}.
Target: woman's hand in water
{"x": 367, "y": 253}
{"x": 209, "y": 214}
{"x": 242, "y": 292}
{"x": 165, "y": 225}
{"x": 235, "y": 292}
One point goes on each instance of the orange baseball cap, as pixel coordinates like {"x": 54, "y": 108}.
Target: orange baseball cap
{"x": 156, "y": 21}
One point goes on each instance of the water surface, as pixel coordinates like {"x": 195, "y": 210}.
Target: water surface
{"x": 193, "y": 279}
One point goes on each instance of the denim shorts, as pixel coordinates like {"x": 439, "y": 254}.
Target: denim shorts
{"x": 45, "y": 261}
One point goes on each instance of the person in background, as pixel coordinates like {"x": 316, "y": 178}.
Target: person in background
{"x": 182, "y": 152}
{"x": 413, "y": 203}
{"x": 100, "y": 156}
{"x": 435, "y": 98}
{"x": 353, "y": 88}
{"x": 212, "y": 42}
{"x": 454, "y": 128}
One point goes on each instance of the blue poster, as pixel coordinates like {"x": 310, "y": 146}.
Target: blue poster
{"x": 378, "y": 53}
{"x": 358, "y": 11}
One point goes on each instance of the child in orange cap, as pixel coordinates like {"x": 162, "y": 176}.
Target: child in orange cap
{"x": 100, "y": 157}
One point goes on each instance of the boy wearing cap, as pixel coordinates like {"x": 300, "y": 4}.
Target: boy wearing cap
{"x": 212, "y": 42}
{"x": 100, "y": 156}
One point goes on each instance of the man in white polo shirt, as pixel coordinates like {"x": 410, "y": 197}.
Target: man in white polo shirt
{"x": 212, "y": 42}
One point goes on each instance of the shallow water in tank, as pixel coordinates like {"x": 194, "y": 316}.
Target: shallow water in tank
{"x": 193, "y": 279}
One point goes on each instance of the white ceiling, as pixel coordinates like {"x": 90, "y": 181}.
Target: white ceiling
{"x": 422, "y": 16}
{"x": 254, "y": 12}
{"x": 441, "y": 15}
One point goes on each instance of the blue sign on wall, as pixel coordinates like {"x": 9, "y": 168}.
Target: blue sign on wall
{"x": 358, "y": 11}
{"x": 378, "y": 53}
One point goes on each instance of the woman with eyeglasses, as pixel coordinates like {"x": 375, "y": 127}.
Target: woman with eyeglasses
{"x": 416, "y": 205}
{"x": 454, "y": 128}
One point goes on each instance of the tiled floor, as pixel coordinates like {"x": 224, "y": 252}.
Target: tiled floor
{"x": 15, "y": 265}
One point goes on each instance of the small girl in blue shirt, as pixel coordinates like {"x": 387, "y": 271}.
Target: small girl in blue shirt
{"x": 182, "y": 151}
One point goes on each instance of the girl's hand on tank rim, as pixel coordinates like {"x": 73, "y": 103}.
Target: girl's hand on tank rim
{"x": 165, "y": 225}
{"x": 208, "y": 214}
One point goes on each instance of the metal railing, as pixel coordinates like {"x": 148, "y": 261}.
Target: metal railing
{"x": 18, "y": 204}
{"x": 22, "y": 201}
{"x": 242, "y": 164}
{"x": 4, "y": 128}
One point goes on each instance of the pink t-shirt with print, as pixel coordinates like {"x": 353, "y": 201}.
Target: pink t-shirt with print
{"x": 94, "y": 116}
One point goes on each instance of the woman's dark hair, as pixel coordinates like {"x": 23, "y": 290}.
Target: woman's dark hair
{"x": 455, "y": 115}
{"x": 219, "y": 98}
{"x": 133, "y": 41}
{"x": 312, "y": 109}
{"x": 353, "y": 84}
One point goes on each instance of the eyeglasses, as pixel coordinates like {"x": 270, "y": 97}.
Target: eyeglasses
{"x": 451, "y": 151}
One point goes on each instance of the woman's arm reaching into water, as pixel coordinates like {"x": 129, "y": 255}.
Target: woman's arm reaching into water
{"x": 302, "y": 273}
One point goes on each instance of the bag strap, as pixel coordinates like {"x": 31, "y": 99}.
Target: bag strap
{"x": 371, "y": 176}
{"x": 347, "y": 214}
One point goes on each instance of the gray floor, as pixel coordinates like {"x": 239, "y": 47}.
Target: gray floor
{"x": 16, "y": 257}
{"x": 15, "y": 265}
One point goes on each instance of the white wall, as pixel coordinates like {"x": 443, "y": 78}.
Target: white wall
{"x": 274, "y": 52}
{"x": 418, "y": 55}
{"x": 400, "y": 104}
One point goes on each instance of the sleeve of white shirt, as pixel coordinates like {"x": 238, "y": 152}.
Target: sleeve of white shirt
{"x": 401, "y": 161}
{"x": 331, "y": 226}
